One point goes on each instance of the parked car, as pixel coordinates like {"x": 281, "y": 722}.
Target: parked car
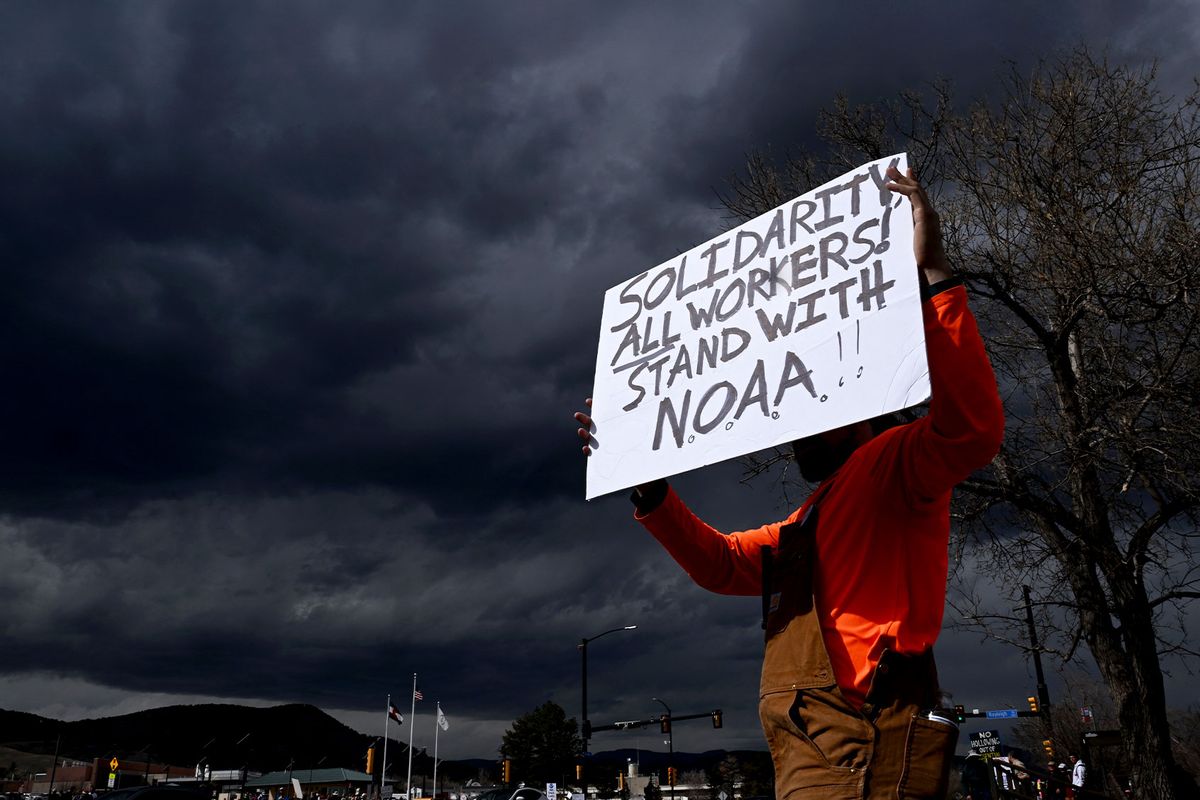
{"x": 528, "y": 793}
{"x": 494, "y": 794}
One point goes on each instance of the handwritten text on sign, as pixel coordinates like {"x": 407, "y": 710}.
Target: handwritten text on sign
{"x": 804, "y": 319}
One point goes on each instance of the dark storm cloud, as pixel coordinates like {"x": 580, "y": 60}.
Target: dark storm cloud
{"x": 798, "y": 56}
{"x": 324, "y": 596}
{"x": 219, "y": 218}
{"x": 298, "y": 300}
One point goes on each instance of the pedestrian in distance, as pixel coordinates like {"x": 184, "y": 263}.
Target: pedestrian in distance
{"x": 1078, "y": 776}
{"x": 853, "y": 582}
{"x": 1056, "y": 782}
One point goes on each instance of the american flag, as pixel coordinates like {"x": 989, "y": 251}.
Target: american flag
{"x": 417, "y": 695}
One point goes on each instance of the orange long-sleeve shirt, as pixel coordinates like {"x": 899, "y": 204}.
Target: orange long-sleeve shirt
{"x": 883, "y": 535}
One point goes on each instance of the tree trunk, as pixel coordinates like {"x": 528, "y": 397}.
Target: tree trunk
{"x": 1141, "y": 700}
{"x": 1128, "y": 661}
{"x": 1127, "y": 656}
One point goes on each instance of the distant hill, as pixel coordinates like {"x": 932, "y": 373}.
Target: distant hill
{"x": 264, "y": 739}
{"x": 270, "y": 738}
{"x": 15, "y": 764}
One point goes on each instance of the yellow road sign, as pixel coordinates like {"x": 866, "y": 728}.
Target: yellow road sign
{"x": 114, "y": 764}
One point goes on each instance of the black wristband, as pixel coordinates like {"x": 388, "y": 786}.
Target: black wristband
{"x": 651, "y": 498}
{"x": 930, "y": 291}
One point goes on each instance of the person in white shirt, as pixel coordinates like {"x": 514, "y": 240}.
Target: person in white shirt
{"x": 1078, "y": 773}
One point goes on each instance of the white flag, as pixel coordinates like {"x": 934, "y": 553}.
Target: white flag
{"x": 442, "y": 722}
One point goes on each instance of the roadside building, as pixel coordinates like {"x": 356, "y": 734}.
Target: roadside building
{"x": 224, "y": 784}
{"x": 327, "y": 783}
{"x": 83, "y": 776}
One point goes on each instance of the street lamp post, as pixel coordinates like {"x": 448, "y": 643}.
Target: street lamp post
{"x": 245, "y": 766}
{"x": 146, "y": 753}
{"x": 322, "y": 761}
{"x": 670, "y": 745}
{"x": 203, "y": 766}
{"x": 583, "y": 644}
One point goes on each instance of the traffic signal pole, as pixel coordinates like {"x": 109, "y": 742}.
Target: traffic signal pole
{"x": 1043, "y": 691}
{"x": 665, "y": 722}
{"x": 628, "y": 724}
{"x": 979, "y": 713}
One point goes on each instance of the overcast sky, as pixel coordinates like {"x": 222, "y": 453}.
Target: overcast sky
{"x": 300, "y": 297}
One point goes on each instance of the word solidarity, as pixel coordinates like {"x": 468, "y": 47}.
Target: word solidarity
{"x": 738, "y": 343}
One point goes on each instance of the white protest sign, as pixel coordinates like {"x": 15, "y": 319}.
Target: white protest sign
{"x": 804, "y": 319}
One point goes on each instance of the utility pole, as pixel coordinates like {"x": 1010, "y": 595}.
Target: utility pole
{"x": 53, "y": 768}
{"x": 1042, "y": 689}
{"x": 670, "y": 746}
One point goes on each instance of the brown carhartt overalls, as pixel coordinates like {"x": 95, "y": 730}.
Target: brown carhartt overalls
{"x": 823, "y": 747}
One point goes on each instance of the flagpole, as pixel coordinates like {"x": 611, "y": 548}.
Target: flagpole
{"x": 412, "y": 724}
{"x": 387, "y": 715}
{"x": 437, "y": 725}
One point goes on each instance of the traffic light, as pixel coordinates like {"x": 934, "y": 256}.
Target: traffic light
{"x": 664, "y": 722}
{"x": 508, "y": 770}
{"x": 579, "y": 772}
{"x": 671, "y": 776}
{"x": 371, "y": 760}
{"x": 716, "y": 716}
{"x": 1048, "y": 746}
{"x": 620, "y": 781}
{"x": 960, "y": 714}
{"x": 1033, "y": 706}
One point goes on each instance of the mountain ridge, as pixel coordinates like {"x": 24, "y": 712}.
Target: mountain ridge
{"x": 224, "y": 735}
{"x": 263, "y": 739}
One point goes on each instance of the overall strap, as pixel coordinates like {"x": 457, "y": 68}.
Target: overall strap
{"x": 768, "y": 563}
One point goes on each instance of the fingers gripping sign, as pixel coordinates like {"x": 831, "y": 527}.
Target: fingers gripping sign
{"x": 586, "y": 428}
{"x": 927, "y": 228}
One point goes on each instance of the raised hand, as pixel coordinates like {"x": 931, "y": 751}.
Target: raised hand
{"x": 927, "y": 229}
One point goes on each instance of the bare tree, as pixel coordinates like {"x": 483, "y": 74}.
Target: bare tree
{"x": 1071, "y": 206}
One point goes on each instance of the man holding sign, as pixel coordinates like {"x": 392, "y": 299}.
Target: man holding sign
{"x": 853, "y": 582}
